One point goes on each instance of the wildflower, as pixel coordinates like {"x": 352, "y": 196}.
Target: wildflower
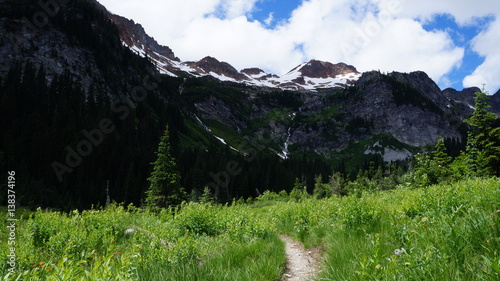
{"x": 41, "y": 263}
{"x": 47, "y": 270}
{"x": 424, "y": 219}
{"x": 129, "y": 231}
{"x": 378, "y": 266}
{"x": 118, "y": 253}
{"x": 398, "y": 252}
{"x": 36, "y": 264}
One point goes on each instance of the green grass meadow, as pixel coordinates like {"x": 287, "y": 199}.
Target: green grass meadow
{"x": 442, "y": 232}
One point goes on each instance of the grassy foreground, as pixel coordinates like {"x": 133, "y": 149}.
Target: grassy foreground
{"x": 444, "y": 232}
{"x": 195, "y": 242}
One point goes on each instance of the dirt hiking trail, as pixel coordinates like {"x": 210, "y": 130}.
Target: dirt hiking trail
{"x": 301, "y": 264}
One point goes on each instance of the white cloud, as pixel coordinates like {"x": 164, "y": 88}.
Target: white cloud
{"x": 488, "y": 73}
{"x": 465, "y": 12}
{"x": 404, "y": 46}
{"x": 242, "y": 43}
{"x": 468, "y": 13}
{"x": 370, "y": 34}
{"x": 236, "y": 8}
{"x": 372, "y": 38}
{"x": 269, "y": 20}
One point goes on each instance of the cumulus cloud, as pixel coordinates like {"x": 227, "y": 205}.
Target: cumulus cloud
{"x": 236, "y": 8}
{"x": 239, "y": 42}
{"x": 488, "y": 73}
{"x": 468, "y": 13}
{"x": 405, "y": 46}
{"x": 372, "y": 38}
{"x": 464, "y": 12}
{"x": 370, "y": 34}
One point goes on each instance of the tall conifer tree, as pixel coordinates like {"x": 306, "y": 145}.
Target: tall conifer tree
{"x": 165, "y": 188}
{"x": 483, "y": 145}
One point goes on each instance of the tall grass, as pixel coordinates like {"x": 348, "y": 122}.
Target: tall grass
{"x": 258, "y": 259}
{"x": 444, "y": 232}
{"x": 195, "y": 242}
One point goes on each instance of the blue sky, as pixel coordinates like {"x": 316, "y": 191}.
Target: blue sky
{"x": 279, "y": 10}
{"x": 461, "y": 36}
{"x": 454, "y": 42}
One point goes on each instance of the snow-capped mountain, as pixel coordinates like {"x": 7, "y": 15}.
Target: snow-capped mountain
{"x": 310, "y": 75}
{"x": 319, "y": 74}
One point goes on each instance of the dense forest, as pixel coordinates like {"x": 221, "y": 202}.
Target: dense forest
{"x": 69, "y": 145}
{"x": 70, "y": 142}
{"x": 73, "y": 144}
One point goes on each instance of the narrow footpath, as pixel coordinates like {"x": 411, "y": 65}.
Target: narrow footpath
{"x": 301, "y": 264}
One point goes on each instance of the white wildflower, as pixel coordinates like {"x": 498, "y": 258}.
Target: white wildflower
{"x": 398, "y": 252}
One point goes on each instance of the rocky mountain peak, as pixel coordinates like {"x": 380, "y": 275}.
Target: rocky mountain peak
{"x": 210, "y": 65}
{"x": 322, "y": 69}
{"x": 465, "y": 101}
{"x": 254, "y": 71}
{"x": 316, "y": 74}
{"x": 134, "y": 35}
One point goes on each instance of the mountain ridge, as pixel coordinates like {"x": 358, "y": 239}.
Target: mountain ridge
{"x": 311, "y": 75}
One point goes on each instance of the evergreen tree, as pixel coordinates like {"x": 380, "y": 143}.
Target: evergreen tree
{"x": 320, "y": 189}
{"x": 207, "y": 196}
{"x": 338, "y": 184}
{"x": 439, "y": 154}
{"x": 483, "y": 144}
{"x": 440, "y": 161}
{"x": 299, "y": 191}
{"x": 165, "y": 188}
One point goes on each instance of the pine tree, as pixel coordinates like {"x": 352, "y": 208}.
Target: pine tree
{"x": 165, "y": 188}
{"x": 439, "y": 154}
{"x": 440, "y": 161}
{"x": 483, "y": 144}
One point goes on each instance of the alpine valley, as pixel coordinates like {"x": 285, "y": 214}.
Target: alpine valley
{"x": 86, "y": 94}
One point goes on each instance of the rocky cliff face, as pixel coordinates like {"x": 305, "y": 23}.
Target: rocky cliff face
{"x": 373, "y": 111}
{"x": 133, "y": 34}
{"x": 417, "y": 123}
{"x": 369, "y": 108}
{"x": 59, "y": 49}
{"x": 49, "y": 47}
{"x": 464, "y": 100}
{"x": 495, "y": 103}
